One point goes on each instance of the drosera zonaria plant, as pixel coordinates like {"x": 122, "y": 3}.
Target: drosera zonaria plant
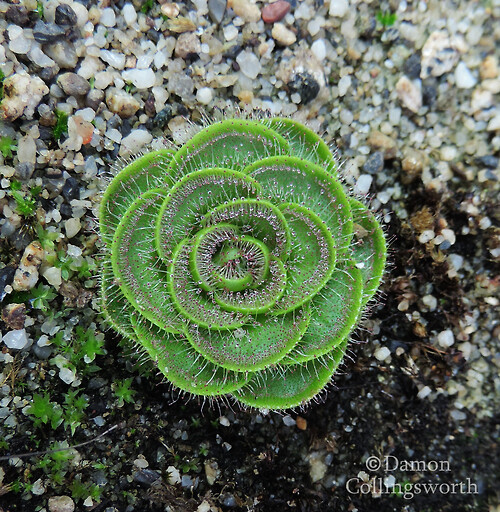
{"x": 238, "y": 263}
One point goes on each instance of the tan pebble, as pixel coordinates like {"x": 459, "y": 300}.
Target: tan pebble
{"x": 226, "y": 80}
{"x": 262, "y": 48}
{"x": 25, "y": 278}
{"x": 283, "y": 35}
{"x": 33, "y": 255}
{"x": 489, "y": 67}
{"x": 409, "y": 94}
{"x": 61, "y": 504}
{"x": 301, "y": 423}
{"x": 420, "y": 330}
{"x": 275, "y": 11}
{"x": 72, "y": 227}
{"x": 84, "y": 129}
{"x": 187, "y": 44}
{"x": 130, "y": 61}
{"x": 246, "y": 10}
{"x": 94, "y": 15}
{"x": 353, "y": 53}
{"x": 378, "y": 140}
{"x": 180, "y": 25}
{"x": 246, "y": 96}
{"x": 170, "y": 10}
{"x": 412, "y": 162}
{"x": 21, "y": 95}
{"x": 121, "y": 103}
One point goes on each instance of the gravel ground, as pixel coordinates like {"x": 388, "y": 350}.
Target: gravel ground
{"x": 408, "y": 91}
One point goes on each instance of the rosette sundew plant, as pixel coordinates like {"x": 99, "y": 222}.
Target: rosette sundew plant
{"x": 238, "y": 263}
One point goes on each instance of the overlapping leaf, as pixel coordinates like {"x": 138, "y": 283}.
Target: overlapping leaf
{"x": 238, "y": 263}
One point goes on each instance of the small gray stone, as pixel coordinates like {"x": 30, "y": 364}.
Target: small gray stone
{"x": 412, "y": 66}
{"x": 73, "y": 84}
{"x": 17, "y": 14}
{"x": 24, "y": 170}
{"x": 146, "y": 477}
{"x": 489, "y": 161}
{"x": 216, "y": 10}
{"x": 61, "y": 504}
{"x": 63, "y": 52}
{"x": 94, "y": 99}
{"x": 374, "y": 163}
{"x": 47, "y": 32}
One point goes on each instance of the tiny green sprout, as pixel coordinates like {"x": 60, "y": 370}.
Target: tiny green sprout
{"x": 7, "y": 146}
{"x": 2, "y": 78}
{"x": 46, "y": 237}
{"x": 61, "y": 126}
{"x": 239, "y": 263}
{"x": 41, "y": 296}
{"x": 74, "y": 407}
{"x": 128, "y": 86}
{"x": 64, "y": 262}
{"x": 386, "y": 19}
{"x": 123, "y": 391}
{"x": 45, "y": 411}
{"x": 26, "y": 204}
{"x": 147, "y": 5}
{"x": 82, "y": 490}
{"x": 39, "y": 8}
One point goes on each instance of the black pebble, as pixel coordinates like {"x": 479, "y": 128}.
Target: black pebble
{"x": 18, "y": 15}
{"x": 46, "y": 132}
{"x": 126, "y": 128}
{"x": 412, "y": 66}
{"x": 489, "y": 161}
{"x": 163, "y": 117}
{"x": 153, "y": 35}
{"x": 71, "y": 189}
{"x": 146, "y": 477}
{"x": 66, "y": 211}
{"x": 429, "y": 92}
{"x": 305, "y": 85}
{"x": 65, "y": 15}
{"x": 6, "y": 278}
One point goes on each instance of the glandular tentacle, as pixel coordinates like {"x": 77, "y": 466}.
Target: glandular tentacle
{"x": 368, "y": 249}
{"x": 148, "y": 172}
{"x": 191, "y": 301}
{"x": 234, "y": 143}
{"x": 189, "y": 200}
{"x": 183, "y": 366}
{"x": 136, "y": 265}
{"x": 286, "y": 179}
{"x": 311, "y": 261}
{"x": 291, "y": 385}
{"x": 254, "y": 346}
{"x": 257, "y": 218}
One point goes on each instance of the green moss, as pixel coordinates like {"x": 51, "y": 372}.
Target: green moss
{"x": 7, "y": 146}
{"x": 61, "y": 126}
